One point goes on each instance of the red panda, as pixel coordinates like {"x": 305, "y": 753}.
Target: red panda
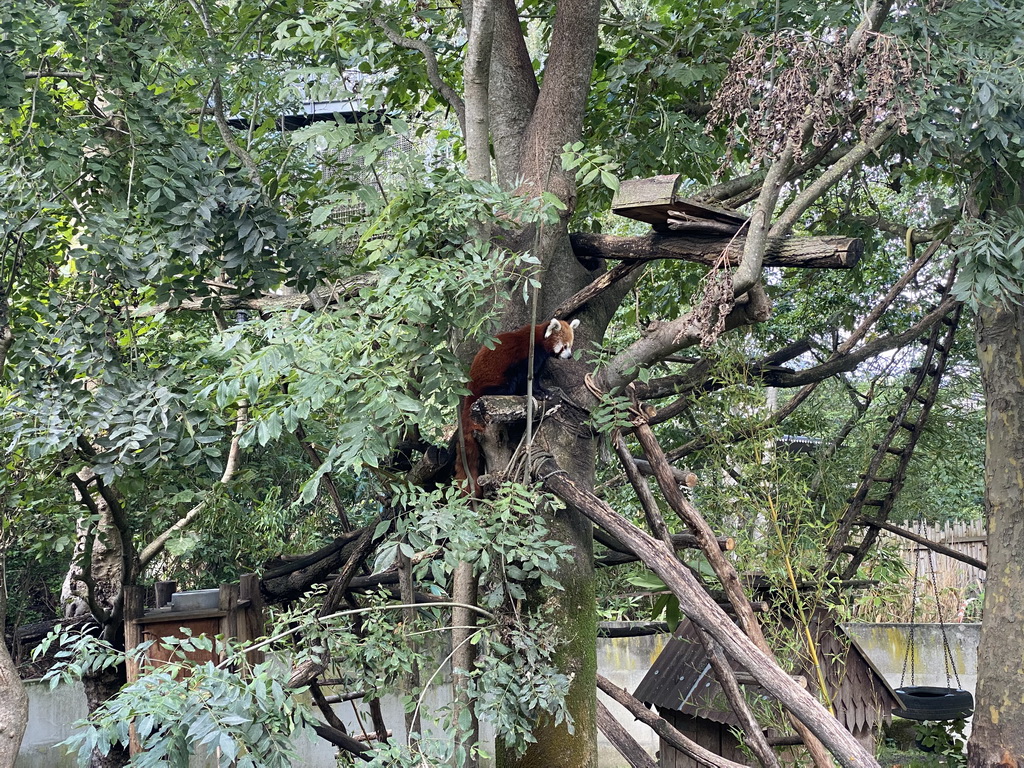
{"x": 503, "y": 371}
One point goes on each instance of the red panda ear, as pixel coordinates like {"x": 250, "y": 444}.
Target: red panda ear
{"x": 574, "y": 324}
{"x": 553, "y": 326}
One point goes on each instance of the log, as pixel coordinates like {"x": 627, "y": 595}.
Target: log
{"x": 697, "y": 606}
{"x": 663, "y": 728}
{"x": 620, "y": 738}
{"x": 800, "y": 252}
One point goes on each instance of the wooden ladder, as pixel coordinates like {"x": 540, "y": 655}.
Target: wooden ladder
{"x": 887, "y": 471}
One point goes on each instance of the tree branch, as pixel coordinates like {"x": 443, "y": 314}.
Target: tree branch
{"x": 433, "y": 71}
{"x": 315, "y": 299}
{"x": 663, "y": 728}
{"x": 156, "y": 546}
{"x": 699, "y": 608}
{"x": 513, "y": 91}
{"x": 809, "y": 194}
{"x": 218, "y": 101}
{"x": 476, "y": 78}
{"x": 622, "y": 740}
{"x": 326, "y": 478}
{"x": 665, "y": 338}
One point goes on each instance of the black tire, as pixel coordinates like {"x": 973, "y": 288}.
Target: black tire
{"x": 925, "y": 702}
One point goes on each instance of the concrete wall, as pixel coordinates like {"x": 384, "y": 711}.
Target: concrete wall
{"x": 50, "y": 718}
{"x": 622, "y": 660}
{"x": 886, "y": 647}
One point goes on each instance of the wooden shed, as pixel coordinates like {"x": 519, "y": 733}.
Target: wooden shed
{"x": 683, "y": 687}
{"x": 232, "y": 611}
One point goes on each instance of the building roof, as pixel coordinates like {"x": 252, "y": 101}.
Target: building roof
{"x": 681, "y": 679}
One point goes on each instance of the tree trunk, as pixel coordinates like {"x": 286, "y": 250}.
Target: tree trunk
{"x": 575, "y": 608}
{"x": 93, "y": 586}
{"x": 13, "y": 698}
{"x": 997, "y": 733}
{"x": 13, "y": 708}
{"x": 100, "y": 687}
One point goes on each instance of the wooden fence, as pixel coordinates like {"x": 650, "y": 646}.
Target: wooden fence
{"x": 960, "y": 585}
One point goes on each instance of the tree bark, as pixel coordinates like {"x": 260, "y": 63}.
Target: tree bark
{"x": 624, "y": 742}
{"x": 13, "y": 698}
{"x": 13, "y": 708}
{"x": 575, "y": 607}
{"x": 997, "y": 732}
{"x": 804, "y": 252}
{"x": 94, "y": 585}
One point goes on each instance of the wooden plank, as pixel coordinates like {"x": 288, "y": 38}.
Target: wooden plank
{"x": 640, "y": 193}
{"x": 654, "y": 201}
{"x": 132, "y": 631}
{"x": 684, "y": 207}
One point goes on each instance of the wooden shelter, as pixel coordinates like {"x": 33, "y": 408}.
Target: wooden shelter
{"x": 232, "y": 611}
{"x": 683, "y": 687}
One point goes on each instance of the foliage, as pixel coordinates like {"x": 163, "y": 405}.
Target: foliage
{"x": 946, "y": 741}
{"x": 182, "y": 708}
{"x": 146, "y": 250}
{"x": 992, "y": 261}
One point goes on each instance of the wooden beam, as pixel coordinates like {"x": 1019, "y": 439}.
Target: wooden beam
{"x": 942, "y": 549}
{"x": 801, "y": 252}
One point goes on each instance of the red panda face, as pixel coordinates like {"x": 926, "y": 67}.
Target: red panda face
{"x": 560, "y": 336}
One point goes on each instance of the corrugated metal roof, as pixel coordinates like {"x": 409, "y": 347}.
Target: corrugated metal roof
{"x": 682, "y": 679}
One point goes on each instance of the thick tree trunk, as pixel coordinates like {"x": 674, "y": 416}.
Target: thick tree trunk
{"x": 574, "y": 606}
{"x": 99, "y": 688}
{"x": 997, "y": 734}
{"x": 13, "y": 698}
{"x": 93, "y": 586}
{"x": 13, "y": 708}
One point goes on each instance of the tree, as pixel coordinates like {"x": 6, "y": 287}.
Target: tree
{"x": 995, "y": 734}
{"x": 156, "y": 209}
{"x": 14, "y": 701}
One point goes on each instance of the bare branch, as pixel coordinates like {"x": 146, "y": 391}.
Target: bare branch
{"x": 663, "y": 728}
{"x": 665, "y": 338}
{"x": 219, "y": 117}
{"x": 579, "y": 299}
{"x": 156, "y": 546}
{"x": 316, "y": 299}
{"x": 6, "y": 340}
{"x": 622, "y": 739}
{"x": 809, "y": 194}
{"x": 476, "y": 76}
{"x": 326, "y": 479}
{"x": 743, "y": 189}
{"x": 433, "y": 71}
{"x": 699, "y": 608}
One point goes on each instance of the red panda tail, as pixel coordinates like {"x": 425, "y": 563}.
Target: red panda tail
{"x": 468, "y": 460}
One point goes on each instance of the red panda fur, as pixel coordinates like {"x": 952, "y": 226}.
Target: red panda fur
{"x": 503, "y": 371}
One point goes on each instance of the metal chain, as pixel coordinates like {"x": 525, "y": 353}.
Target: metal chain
{"x": 947, "y": 659}
{"x": 911, "y": 650}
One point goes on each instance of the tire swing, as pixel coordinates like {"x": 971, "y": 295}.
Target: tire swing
{"x": 928, "y": 702}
